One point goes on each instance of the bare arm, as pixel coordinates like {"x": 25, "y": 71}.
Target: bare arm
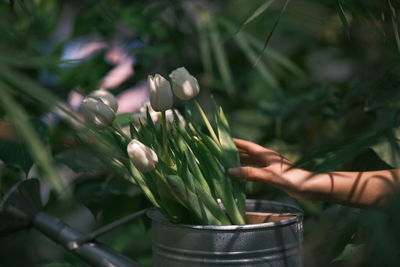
{"x": 351, "y": 188}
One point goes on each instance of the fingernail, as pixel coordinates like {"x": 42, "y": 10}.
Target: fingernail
{"x": 234, "y": 171}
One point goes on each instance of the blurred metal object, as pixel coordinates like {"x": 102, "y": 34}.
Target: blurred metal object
{"x": 92, "y": 253}
{"x": 277, "y": 243}
{"x": 111, "y": 226}
{"x": 21, "y": 208}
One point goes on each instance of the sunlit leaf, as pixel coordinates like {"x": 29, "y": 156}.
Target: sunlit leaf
{"x": 228, "y": 146}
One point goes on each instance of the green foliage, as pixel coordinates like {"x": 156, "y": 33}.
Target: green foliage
{"x": 39, "y": 152}
{"x": 189, "y": 174}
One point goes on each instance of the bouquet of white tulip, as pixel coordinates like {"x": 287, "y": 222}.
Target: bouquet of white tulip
{"x": 179, "y": 168}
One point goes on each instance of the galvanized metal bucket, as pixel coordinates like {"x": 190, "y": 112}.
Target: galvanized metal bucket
{"x": 276, "y": 243}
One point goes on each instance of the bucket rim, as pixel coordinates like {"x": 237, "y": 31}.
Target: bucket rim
{"x": 156, "y": 216}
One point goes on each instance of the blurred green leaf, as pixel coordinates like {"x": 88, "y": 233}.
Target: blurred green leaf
{"x": 388, "y": 149}
{"x": 123, "y": 119}
{"x": 343, "y": 18}
{"x": 79, "y": 160}
{"x": 252, "y": 57}
{"x": 395, "y": 24}
{"x": 350, "y": 252}
{"x": 273, "y": 29}
{"x": 16, "y": 154}
{"x": 221, "y": 58}
{"x": 40, "y": 153}
{"x": 261, "y": 9}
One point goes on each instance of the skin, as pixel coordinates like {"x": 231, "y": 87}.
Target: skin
{"x": 361, "y": 189}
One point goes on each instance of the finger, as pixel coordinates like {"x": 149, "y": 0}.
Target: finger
{"x": 248, "y": 147}
{"x": 255, "y": 174}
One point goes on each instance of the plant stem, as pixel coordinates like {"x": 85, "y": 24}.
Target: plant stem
{"x": 164, "y": 137}
{"x": 118, "y": 128}
{"x": 206, "y": 121}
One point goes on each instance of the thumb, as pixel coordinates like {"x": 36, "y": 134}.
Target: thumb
{"x": 252, "y": 173}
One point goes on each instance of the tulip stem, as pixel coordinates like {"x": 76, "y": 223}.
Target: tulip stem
{"x": 206, "y": 121}
{"x": 118, "y": 128}
{"x": 164, "y": 136}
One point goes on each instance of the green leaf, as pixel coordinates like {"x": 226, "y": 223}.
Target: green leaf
{"x": 388, "y": 149}
{"x": 183, "y": 170}
{"x": 190, "y": 151}
{"x": 266, "y": 42}
{"x": 212, "y": 205}
{"x": 232, "y": 157}
{"x": 221, "y": 58}
{"x": 227, "y": 145}
{"x": 201, "y": 211}
{"x": 215, "y": 150}
{"x": 79, "y": 160}
{"x": 394, "y": 24}
{"x": 18, "y": 59}
{"x": 149, "y": 120}
{"x": 222, "y": 186}
{"x": 123, "y": 119}
{"x": 119, "y": 140}
{"x": 204, "y": 41}
{"x": 140, "y": 180}
{"x": 169, "y": 202}
{"x": 350, "y": 252}
{"x": 248, "y": 42}
{"x": 343, "y": 18}
{"x": 261, "y": 9}
{"x": 30, "y": 87}
{"x": 132, "y": 129}
{"x": 16, "y": 154}
{"x": 101, "y": 149}
{"x": 252, "y": 57}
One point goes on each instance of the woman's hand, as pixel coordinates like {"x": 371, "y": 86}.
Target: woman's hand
{"x": 362, "y": 189}
{"x": 270, "y": 167}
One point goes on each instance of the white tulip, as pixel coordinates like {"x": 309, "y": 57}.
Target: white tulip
{"x": 96, "y": 113}
{"x": 184, "y": 85}
{"x": 143, "y": 157}
{"x": 161, "y": 97}
{"x": 141, "y": 115}
{"x": 105, "y": 97}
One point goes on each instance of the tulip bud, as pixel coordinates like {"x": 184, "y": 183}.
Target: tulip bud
{"x": 160, "y": 93}
{"x": 96, "y": 113}
{"x": 105, "y": 97}
{"x": 143, "y": 157}
{"x": 184, "y": 85}
{"x": 140, "y": 116}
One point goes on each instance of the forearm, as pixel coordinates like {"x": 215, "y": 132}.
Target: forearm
{"x": 353, "y": 188}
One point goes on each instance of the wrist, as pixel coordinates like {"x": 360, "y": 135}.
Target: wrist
{"x": 300, "y": 186}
